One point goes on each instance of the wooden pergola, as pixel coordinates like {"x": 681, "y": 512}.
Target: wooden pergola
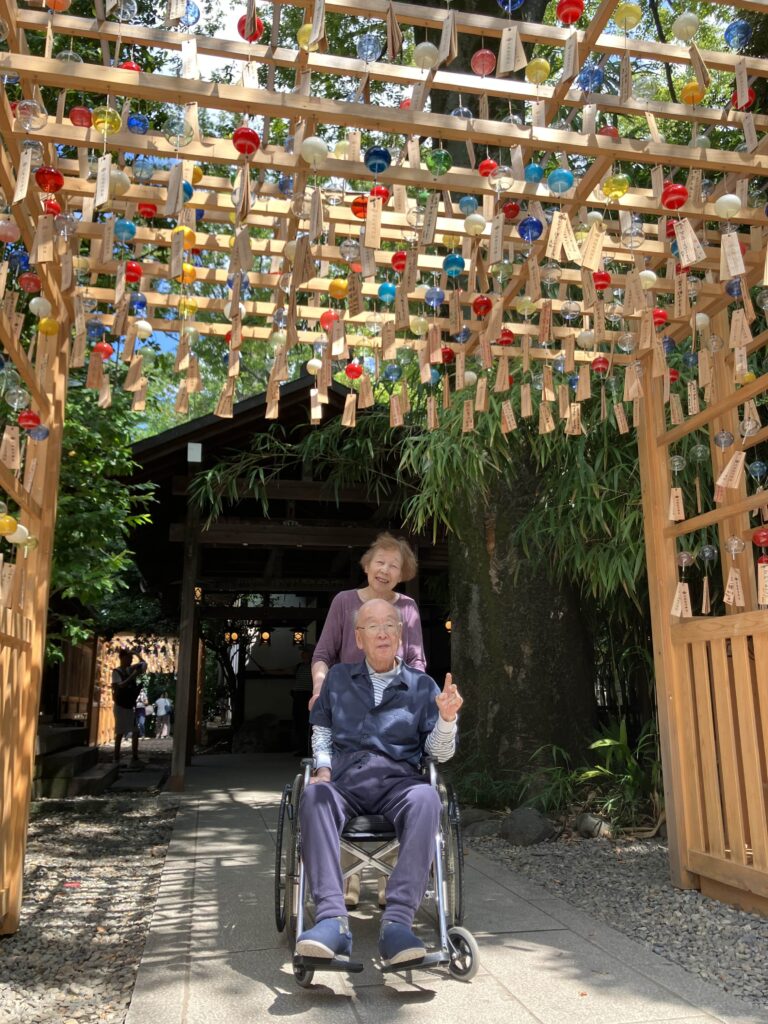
{"x": 711, "y": 670}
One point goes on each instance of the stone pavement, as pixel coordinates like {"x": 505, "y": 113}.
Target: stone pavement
{"x": 213, "y": 954}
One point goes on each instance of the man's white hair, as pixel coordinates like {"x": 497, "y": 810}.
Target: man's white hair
{"x": 395, "y": 610}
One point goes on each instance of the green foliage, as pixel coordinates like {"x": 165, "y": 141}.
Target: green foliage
{"x": 623, "y": 784}
{"x": 550, "y": 787}
{"x": 97, "y": 509}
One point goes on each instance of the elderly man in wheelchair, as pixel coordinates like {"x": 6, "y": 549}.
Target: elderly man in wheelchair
{"x": 372, "y": 725}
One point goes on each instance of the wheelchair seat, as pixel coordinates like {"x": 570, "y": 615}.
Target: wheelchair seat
{"x": 368, "y": 826}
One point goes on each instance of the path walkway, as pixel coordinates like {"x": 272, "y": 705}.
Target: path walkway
{"x": 213, "y": 954}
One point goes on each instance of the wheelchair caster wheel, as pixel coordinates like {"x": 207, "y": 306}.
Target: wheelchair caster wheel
{"x": 303, "y": 976}
{"x": 465, "y": 954}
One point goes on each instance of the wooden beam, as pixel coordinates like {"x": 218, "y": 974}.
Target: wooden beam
{"x": 16, "y": 492}
{"x": 235, "y": 99}
{"x": 729, "y": 401}
{"x": 266, "y": 534}
{"x": 469, "y": 23}
{"x": 716, "y": 515}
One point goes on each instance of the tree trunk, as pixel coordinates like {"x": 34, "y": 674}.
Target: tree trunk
{"x": 520, "y": 652}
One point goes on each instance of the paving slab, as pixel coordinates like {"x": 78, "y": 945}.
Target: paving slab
{"x": 213, "y": 955}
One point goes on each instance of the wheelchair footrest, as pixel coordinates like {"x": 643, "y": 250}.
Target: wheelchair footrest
{"x": 429, "y": 961}
{"x": 321, "y": 963}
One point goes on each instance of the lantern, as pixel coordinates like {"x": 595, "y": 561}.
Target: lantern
{"x": 258, "y": 29}
{"x": 49, "y": 179}
{"x": 377, "y": 159}
{"x": 601, "y": 279}
{"x": 360, "y": 207}
{"x": 537, "y": 71}
{"x": 132, "y": 271}
{"x": 81, "y": 117}
{"x": 673, "y": 196}
{"x": 482, "y": 305}
{"x": 245, "y": 140}
{"x": 398, "y": 261}
{"x": 28, "y": 419}
{"x": 483, "y": 61}
{"x": 425, "y": 56}
{"x": 569, "y": 11}
{"x": 474, "y": 224}
{"x": 103, "y": 349}
{"x": 328, "y": 319}
{"x": 529, "y": 229}
{"x": 48, "y": 326}
{"x": 727, "y": 206}
{"x": 338, "y": 287}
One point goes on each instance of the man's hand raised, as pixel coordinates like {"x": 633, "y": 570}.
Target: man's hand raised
{"x": 449, "y": 701}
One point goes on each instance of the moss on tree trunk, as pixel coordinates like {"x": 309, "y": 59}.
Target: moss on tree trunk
{"x": 520, "y": 651}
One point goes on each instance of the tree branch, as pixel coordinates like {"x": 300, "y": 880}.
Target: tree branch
{"x": 662, "y": 39}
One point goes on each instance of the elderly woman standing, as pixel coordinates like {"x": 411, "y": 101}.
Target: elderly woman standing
{"x": 386, "y": 563}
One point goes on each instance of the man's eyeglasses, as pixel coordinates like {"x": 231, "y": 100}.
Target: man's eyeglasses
{"x": 390, "y": 628}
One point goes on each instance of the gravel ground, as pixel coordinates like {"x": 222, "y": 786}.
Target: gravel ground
{"x": 92, "y": 872}
{"x": 94, "y": 864}
{"x": 625, "y": 883}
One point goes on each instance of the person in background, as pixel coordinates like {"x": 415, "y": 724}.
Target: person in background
{"x": 163, "y": 716}
{"x": 387, "y": 562}
{"x": 141, "y": 712}
{"x": 125, "y": 691}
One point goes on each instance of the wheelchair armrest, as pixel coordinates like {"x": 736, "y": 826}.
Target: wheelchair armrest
{"x": 429, "y": 766}
{"x": 308, "y": 764}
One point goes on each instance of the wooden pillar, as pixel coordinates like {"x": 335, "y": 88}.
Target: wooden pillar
{"x": 238, "y": 705}
{"x": 19, "y": 754}
{"x": 200, "y": 692}
{"x": 662, "y": 581}
{"x": 186, "y": 673}
{"x": 194, "y": 672}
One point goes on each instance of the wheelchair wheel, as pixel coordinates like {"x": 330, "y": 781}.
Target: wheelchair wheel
{"x": 283, "y": 843}
{"x": 465, "y": 954}
{"x": 303, "y": 976}
{"x": 454, "y": 859}
{"x": 291, "y": 900}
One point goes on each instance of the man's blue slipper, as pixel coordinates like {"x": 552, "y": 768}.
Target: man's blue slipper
{"x": 398, "y": 945}
{"x": 330, "y": 939}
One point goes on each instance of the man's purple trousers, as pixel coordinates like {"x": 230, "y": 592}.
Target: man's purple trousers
{"x": 369, "y": 783}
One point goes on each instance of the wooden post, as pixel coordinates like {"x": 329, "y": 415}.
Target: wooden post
{"x": 662, "y": 581}
{"x": 20, "y": 751}
{"x": 200, "y": 692}
{"x": 185, "y": 677}
{"x": 194, "y": 674}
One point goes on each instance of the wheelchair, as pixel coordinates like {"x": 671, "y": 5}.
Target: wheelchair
{"x": 370, "y": 840}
